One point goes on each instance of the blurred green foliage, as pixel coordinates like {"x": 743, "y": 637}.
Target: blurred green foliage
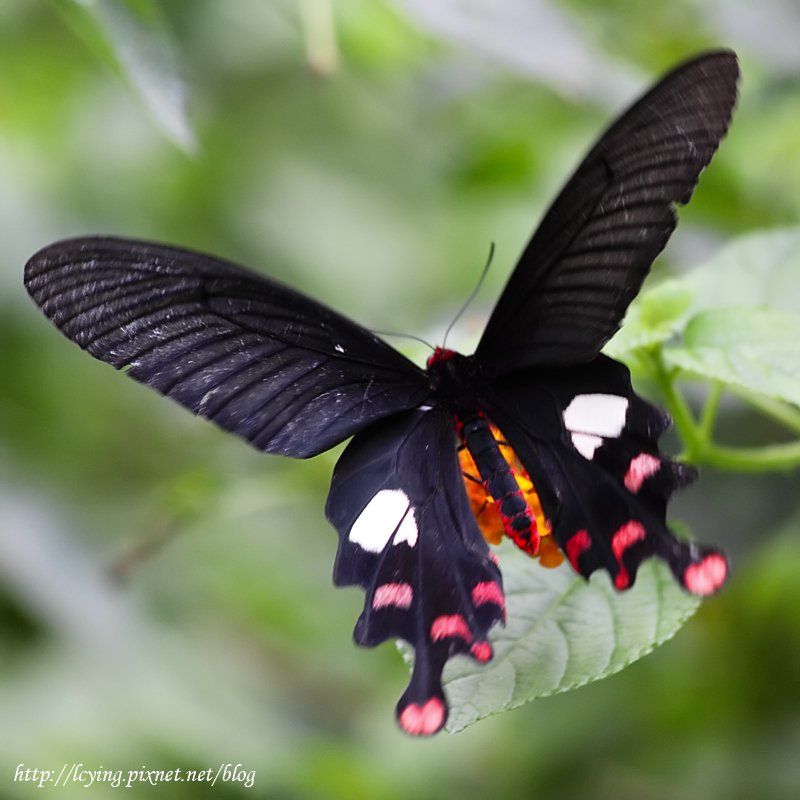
{"x": 165, "y": 596}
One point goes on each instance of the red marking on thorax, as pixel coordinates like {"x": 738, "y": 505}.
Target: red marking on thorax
{"x": 440, "y": 354}
{"x": 422, "y": 720}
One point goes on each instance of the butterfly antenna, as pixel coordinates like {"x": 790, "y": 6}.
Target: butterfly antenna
{"x": 404, "y": 336}
{"x": 472, "y": 294}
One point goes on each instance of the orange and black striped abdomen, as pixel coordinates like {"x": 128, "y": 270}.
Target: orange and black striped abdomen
{"x": 498, "y": 479}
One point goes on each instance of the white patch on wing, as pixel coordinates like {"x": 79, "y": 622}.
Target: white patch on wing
{"x": 596, "y": 414}
{"x": 388, "y": 514}
{"x": 407, "y": 532}
{"x": 592, "y": 417}
{"x": 586, "y": 444}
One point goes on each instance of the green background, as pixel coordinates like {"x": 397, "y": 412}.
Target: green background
{"x": 165, "y": 595}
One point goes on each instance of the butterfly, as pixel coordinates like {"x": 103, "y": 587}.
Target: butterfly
{"x": 538, "y": 435}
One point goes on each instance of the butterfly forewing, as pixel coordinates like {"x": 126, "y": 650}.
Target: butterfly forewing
{"x": 594, "y": 247}
{"x": 256, "y": 357}
{"x": 407, "y": 535}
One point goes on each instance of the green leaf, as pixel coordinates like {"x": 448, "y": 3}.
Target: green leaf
{"x": 758, "y": 270}
{"x": 133, "y": 37}
{"x": 563, "y": 632}
{"x": 755, "y": 349}
{"x": 654, "y": 318}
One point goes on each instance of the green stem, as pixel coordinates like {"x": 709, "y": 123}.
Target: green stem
{"x": 781, "y": 412}
{"x": 678, "y": 407}
{"x": 750, "y": 459}
{"x": 319, "y": 30}
{"x": 696, "y": 437}
{"x": 709, "y": 415}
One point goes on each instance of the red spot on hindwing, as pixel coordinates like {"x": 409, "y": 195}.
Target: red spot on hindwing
{"x": 399, "y": 595}
{"x": 481, "y": 651}
{"x": 488, "y": 592}
{"x": 706, "y": 576}
{"x": 627, "y": 535}
{"x": 450, "y": 625}
{"x": 576, "y": 544}
{"x": 639, "y": 470}
{"x": 423, "y": 720}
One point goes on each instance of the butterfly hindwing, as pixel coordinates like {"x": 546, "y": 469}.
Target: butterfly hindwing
{"x": 589, "y": 443}
{"x": 258, "y": 358}
{"x": 407, "y": 535}
{"x": 594, "y": 247}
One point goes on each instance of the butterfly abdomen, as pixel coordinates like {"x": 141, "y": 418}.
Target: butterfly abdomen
{"x": 499, "y": 489}
{"x": 499, "y": 481}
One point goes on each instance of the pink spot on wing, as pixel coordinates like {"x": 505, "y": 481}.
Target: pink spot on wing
{"x": 639, "y": 470}
{"x": 493, "y": 558}
{"x": 423, "y": 720}
{"x": 630, "y": 533}
{"x": 627, "y": 535}
{"x": 399, "y": 595}
{"x": 447, "y": 626}
{"x": 488, "y": 592}
{"x": 706, "y": 576}
{"x": 576, "y": 544}
{"x": 481, "y": 651}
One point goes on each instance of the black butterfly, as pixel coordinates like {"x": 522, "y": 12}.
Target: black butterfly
{"x": 294, "y": 377}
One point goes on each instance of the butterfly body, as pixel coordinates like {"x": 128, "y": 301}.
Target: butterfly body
{"x": 537, "y": 432}
{"x": 457, "y": 387}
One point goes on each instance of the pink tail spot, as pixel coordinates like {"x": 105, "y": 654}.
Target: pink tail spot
{"x": 400, "y": 595}
{"x": 639, "y": 470}
{"x": 706, "y": 576}
{"x": 630, "y": 533}
{"x": 454, "y": 625}
{"x": 482, "y": 651}
{"x": 423, "y": 720}
{"x": 576, "y": 544}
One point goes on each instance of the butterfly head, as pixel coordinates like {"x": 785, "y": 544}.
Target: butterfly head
{"x": 452, "y": 378}
{"x": 440, "y": 355}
